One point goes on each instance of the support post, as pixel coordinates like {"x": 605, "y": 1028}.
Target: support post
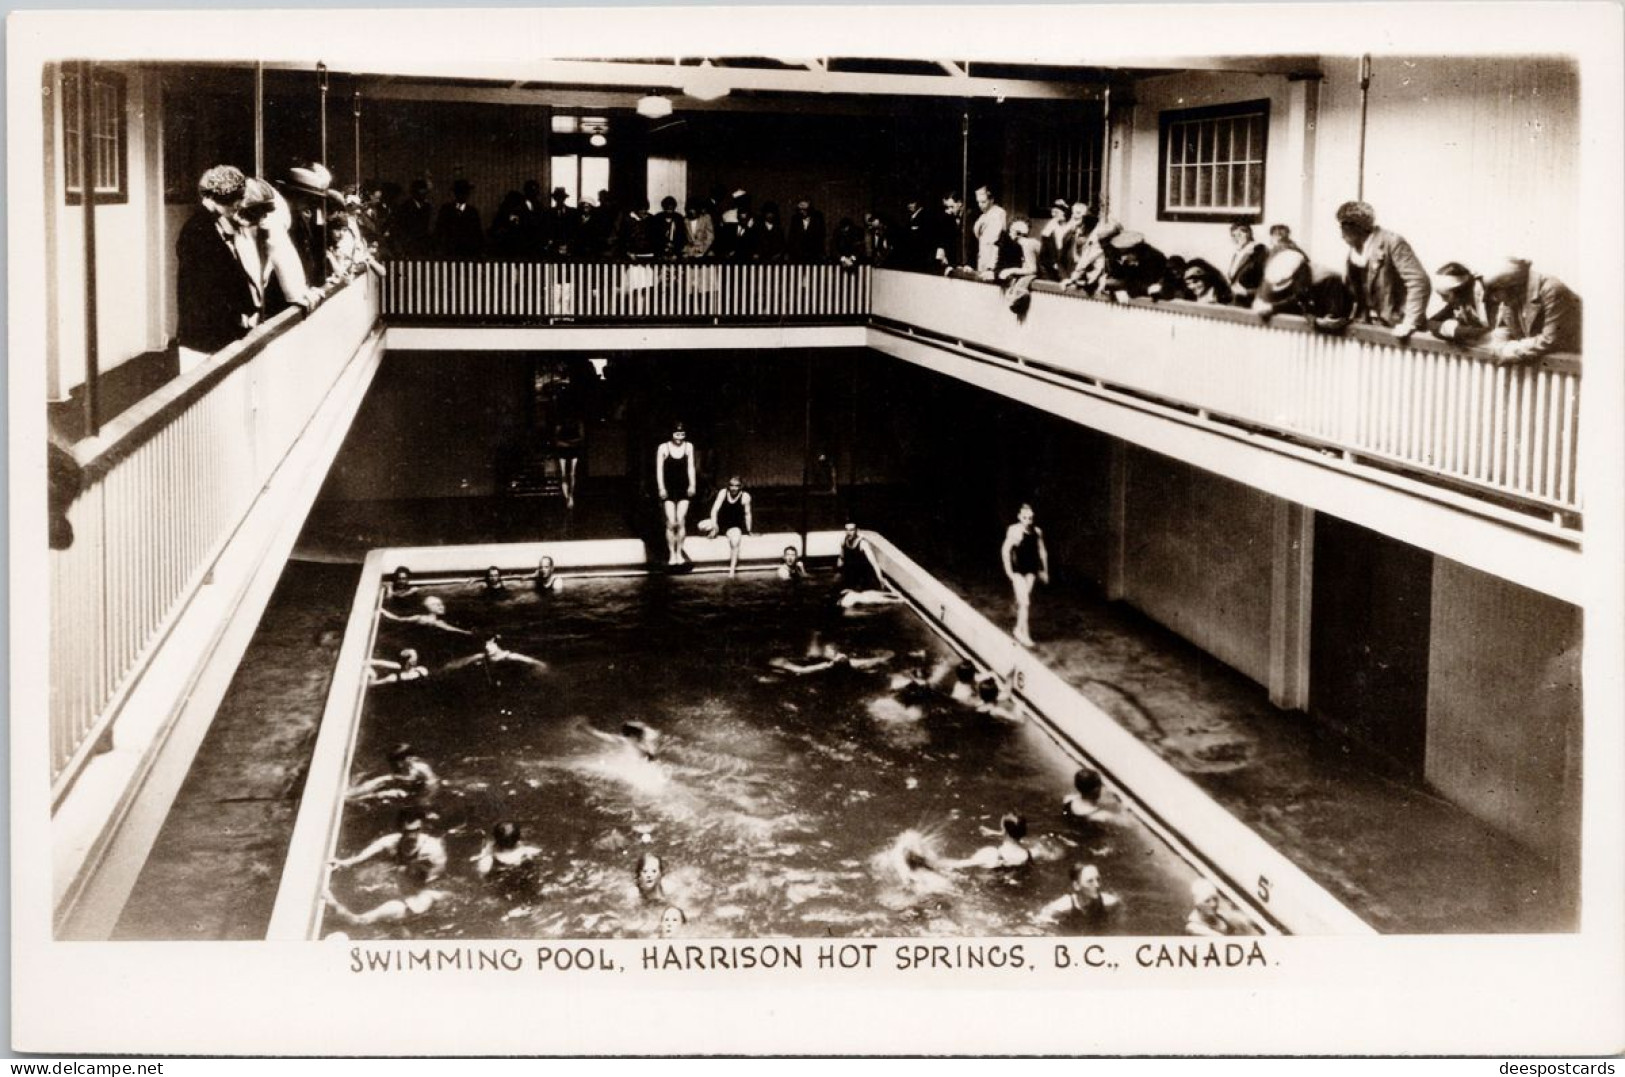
{"x": 1117, "y": 522}
{"x": 87, "y": 202}
{"x": 259, "y": 118}
{"x": 1292, "y": 578}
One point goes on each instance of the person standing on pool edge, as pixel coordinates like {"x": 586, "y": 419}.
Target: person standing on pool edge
{"x": 1026, "y": 562}
{"x": 674, "y": 476}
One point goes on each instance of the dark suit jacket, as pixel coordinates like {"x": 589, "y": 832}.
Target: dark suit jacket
{"x": 1392, "y": 287}
{"x": 212, "y": 292}
{"x": 804, "y": 241}
{"x": 458, "y": 231}
{"x": 1546, "y": 321}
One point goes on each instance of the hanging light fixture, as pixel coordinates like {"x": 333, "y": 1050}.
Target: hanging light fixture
{"x": 654, "y": 107}
{"x": 706, "y": 82}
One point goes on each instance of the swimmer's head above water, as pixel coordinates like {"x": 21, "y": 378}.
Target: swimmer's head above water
{"x": 650, "y": 870}
{"x": 408, "y": 820}
{"x": 672, "y": 920}
{"x": 400, "y": 757}
{"x": 435, "y": 606}
{"x": 987, "y": 690}
{"x": 965, "y": 672}
{"x": 493, "y": 577}
{"x": 1014, "y": 826}
{"x": 544, "y": 567}
{"x": 1088, "y": 784}
{"x": 1086, "y": 880}
{"x": 409, "y": 657}
{"x": 645, "y": 738}
{"x": 505, "y": 836}
{"x": 791, "y": 555}
{"x": 401, "y": 577}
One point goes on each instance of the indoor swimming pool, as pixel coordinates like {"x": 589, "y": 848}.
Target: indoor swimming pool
{"x": 779, "y": 803}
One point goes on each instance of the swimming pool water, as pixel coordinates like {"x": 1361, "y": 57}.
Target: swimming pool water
{"x": 779, "y": 803}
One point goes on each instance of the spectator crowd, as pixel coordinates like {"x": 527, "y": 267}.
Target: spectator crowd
{"x": 253, "y": 246}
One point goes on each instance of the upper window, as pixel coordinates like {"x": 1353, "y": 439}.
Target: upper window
{"x": 1212, "y": 163}
{"x": 106, "y": 151}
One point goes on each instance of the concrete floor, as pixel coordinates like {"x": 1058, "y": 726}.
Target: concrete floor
{"x": 1401, "y": 858}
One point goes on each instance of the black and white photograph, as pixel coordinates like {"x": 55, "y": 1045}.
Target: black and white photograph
{"x": 1059, "y": 530}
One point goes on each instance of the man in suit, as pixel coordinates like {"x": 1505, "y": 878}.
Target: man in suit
{"x": 1468, "y": 313}
{"x": 1389, "y": 284}
{"x": 669, "y": 231}
{"x": 411, "y": 224}
{"x": 214, "y": 298}
{"x": 915, "y": 246}
{"x": 458, "y": 227}
{"x": 1538, "y": 313}
{"x": 989, "y": 230}
{"x": 562, "y": 223}
{"x": 804, "y": 239}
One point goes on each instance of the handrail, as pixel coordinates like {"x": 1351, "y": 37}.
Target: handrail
{"x": 140, "y": 422}
{"x": 1421, "y": 340}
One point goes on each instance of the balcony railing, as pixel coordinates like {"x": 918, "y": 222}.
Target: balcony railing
{"x": 166, "y": 484}
{"x": 1426, "y": 408}
{"x": 532, "y": 293}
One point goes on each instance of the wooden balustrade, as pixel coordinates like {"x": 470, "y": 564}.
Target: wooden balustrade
{"x": 508, "y": 293}
{"x": 167, "y": 483}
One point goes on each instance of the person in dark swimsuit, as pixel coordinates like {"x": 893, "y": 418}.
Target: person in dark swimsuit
{"x": 1009, "y": 853}
{"x": 861, "y": 583}
{"x": 1085, "y": 904}
{"x": 569, "y": 435}
{"x": 674, "y": 476}
{"x": 408, "y": 777}
{"x": 400, "y": 583}
{"x": 504, "y": 853}
{"x": 730, "y": 517}
{"x": 421, "y": 857}
{"x": 1026, "y": 561}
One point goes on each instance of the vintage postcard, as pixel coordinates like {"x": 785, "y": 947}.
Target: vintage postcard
{"x": 1055, "y": 530}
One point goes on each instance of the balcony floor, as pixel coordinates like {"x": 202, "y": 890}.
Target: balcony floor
{"x": 1401, "y": 858}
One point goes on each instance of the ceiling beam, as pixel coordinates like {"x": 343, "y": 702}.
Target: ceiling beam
{"x": 952, "y": 68}
{"x": 668, "y": 76}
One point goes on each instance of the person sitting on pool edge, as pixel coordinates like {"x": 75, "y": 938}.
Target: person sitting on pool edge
{"x": 407, "y": 669}
{"x": 731, "y": 518}
{"x": 641, "y": 738}
{"x": 1085, "y": 901}
{"x": 433, "y": 616}
{"x": 408, "y": 776}
{"x": 504, "y": 852}
{"x": 861, "y": 582}
{"x": 494, "y": 652}
{"x": 1009, "y": 853}
{"x": 1085, "y": 805}
{"x": 791, "y": 568}
{"x": 421, "y": 857}
{"x": 546, "y": 580}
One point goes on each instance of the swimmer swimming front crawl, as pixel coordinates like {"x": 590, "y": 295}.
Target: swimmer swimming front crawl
{"x": 1009, "y": 853}
{"x": 408, "y": 776}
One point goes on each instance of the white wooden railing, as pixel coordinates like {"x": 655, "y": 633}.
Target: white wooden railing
{"x": 1426, "y": 407}
{"x": 167, "y": 483}
{"x": 532, "y": 292}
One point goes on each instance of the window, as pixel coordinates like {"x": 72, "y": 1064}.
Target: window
{"x": 104, "y": 112}
{"x": 1212, "y": 163}
{"x": 1067, "y": 165}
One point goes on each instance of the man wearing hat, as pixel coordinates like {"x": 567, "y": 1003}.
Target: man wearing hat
{"x": 1467, "y": 314}
{"x": 306, "y": 191}
{"x": 561, "y": 223}
{"x": 458, "y": 227}
{"x": 1538, "y": 313}
{"x": 413, "y": 222}
{"x": 1054, "y": 240}
{"x": 1132, "y": 266}
{"x": 1389, "y": 284}
{"x": 1293, "y": 285}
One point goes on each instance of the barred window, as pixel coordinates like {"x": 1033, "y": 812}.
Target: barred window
{"x": 1066, "y": 165}
{"x": 1212, "y": 163}
{"x": 106, "y": 152}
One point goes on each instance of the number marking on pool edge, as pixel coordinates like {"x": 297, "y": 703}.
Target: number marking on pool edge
{"x": 1263, "y": 890}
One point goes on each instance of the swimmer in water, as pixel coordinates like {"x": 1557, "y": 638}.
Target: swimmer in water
{"x": 492, "y": 582}
{"x": 730, "y": 517}
{"x": 407, "y": 669}
{"x": 1085, "y": 900}
{"x": 643, "y": 739}
{"x": 1009, "y": 853}
{"x": 400, "y": 583}
{"x": 1085, "y": 804}
{"x": 545, "y": 579}
{"x": 433, "y": 616}
{"x": 964, "y": 689}
{"x": 671, "y": 923}
{"x": 791, "y": 568}
{"x": 1207, "y": 913}
{"x": 1026, "y": 562}
{"x": 492, "y": 653}
{"x": 651, "y": 875}
{"x": 421, "y": 857}
{"x": 393, "y": 911}
{"x": 408, "y": 776}
{"x": 861, "y": 581}
{"x": 914, "y": 688}
{"x": 830, "y": 656}
{"x": 504, "y": 851}
{"x": 991, "y": 701}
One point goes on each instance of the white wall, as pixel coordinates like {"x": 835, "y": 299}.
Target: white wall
{"x": 130, "y": 263}
{"x": 1469, "y": 159}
